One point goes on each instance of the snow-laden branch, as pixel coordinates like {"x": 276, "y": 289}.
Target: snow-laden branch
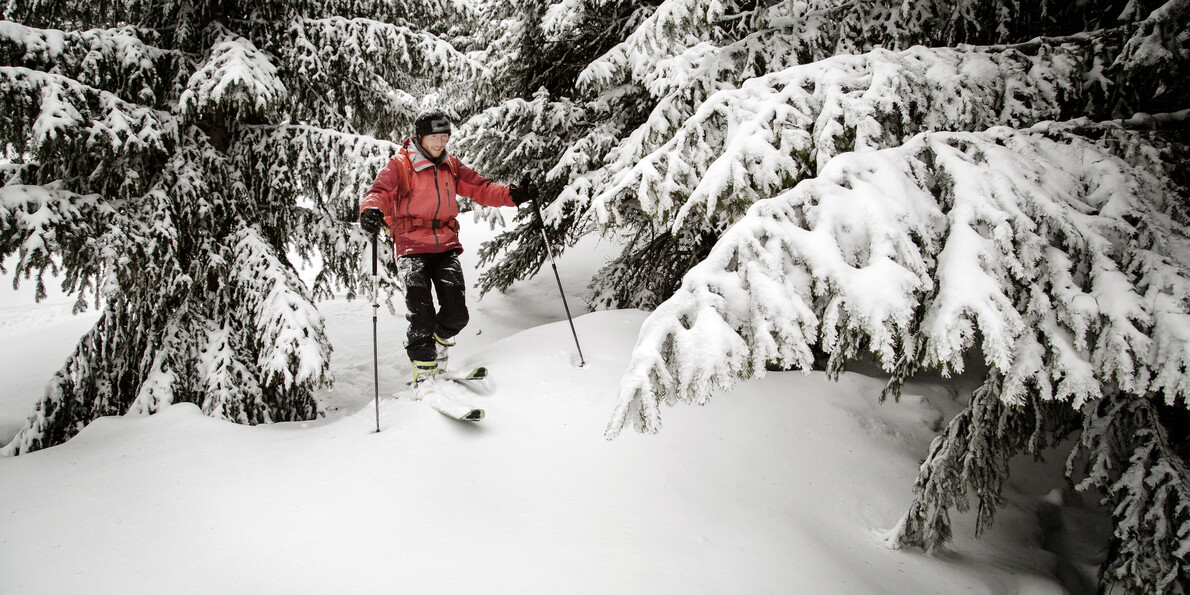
{"x": 48, "y": 226}
{"x": 231, "y": 389}
{"x": 328, "y": 166}
{"x": 687, "y": 49}
{"x": 338, "y": 41}
{"x": 689, "y": 45}
{"x": 1149, "y": 495}
{"x": 292, "y": 352}
{"x": 519, "y": 137}
{"x": 1159, "y": 39}
{"x": 1010, "y": 242}
{"x": 51, "y": 109}
{"x": 671, "y": 55}
{"x": 236, "y": 78}
{"x": 42, "y": 45}
{"x": 87, "y": 385}
{"x": 117, "y": 60}
{"x": 166, "y": 381}
{"x": 745, "y": 144}
{"x": 48, "y": 46}
{"x": 368, "y": 72}
{"x": 32, "y": 216}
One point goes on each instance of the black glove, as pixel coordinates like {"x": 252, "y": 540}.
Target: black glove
{"x": 371, "y": 220}
{"x": 523, "y": 192}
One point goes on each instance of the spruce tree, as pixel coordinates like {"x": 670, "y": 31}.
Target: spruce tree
{"x": 174, "y": 159}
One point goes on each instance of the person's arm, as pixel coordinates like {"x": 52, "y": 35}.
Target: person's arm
{"x": 382, "y": 195}
{"x": 482, "y": 190}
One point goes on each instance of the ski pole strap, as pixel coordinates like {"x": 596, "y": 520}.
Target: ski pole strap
{"x": 408, "y": 224}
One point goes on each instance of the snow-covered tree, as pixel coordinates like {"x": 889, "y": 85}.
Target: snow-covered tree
{"x": 1000, "y": 194}
{"x": 170, "y": 159}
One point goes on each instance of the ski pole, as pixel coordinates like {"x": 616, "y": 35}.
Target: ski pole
{"x": 375, "y": 338}
{"x": 554, "y": 264}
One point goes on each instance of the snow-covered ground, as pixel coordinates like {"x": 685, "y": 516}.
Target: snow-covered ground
{"x": 786, "y": 485}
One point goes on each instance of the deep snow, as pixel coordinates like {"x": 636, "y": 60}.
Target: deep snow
{"x": 786, "y": 485}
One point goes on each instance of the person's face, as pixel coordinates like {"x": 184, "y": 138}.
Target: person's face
{"x": 435, "y": 144}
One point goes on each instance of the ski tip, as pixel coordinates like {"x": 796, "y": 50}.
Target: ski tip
{"x": 480, "y": 373}
{"x": 471, "y": 415}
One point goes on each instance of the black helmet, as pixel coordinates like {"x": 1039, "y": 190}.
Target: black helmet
{"x": 434, "y": 121}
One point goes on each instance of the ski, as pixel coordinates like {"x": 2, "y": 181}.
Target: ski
{"x": 438, "y": 397}
{"x": 437, "y": 393}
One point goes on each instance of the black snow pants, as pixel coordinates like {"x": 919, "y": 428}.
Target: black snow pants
{"x": 444, "y": 274}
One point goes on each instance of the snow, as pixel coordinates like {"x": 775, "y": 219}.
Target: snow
{"x": 786, "y": 485}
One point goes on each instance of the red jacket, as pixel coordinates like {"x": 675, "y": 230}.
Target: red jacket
{"x": 419, "y": 202}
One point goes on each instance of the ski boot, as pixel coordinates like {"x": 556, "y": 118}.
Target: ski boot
{"x": 443, "y": 346}
{"x": 423, "y": 371}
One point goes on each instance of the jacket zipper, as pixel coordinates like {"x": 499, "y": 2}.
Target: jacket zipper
{"x": 437, "y": 209}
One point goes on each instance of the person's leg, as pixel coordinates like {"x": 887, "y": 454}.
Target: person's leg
{"x": 452, "y": 296}
{"x": 416, "y": 273}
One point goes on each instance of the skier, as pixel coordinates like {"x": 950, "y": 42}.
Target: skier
{"x": 414, "y": 197}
